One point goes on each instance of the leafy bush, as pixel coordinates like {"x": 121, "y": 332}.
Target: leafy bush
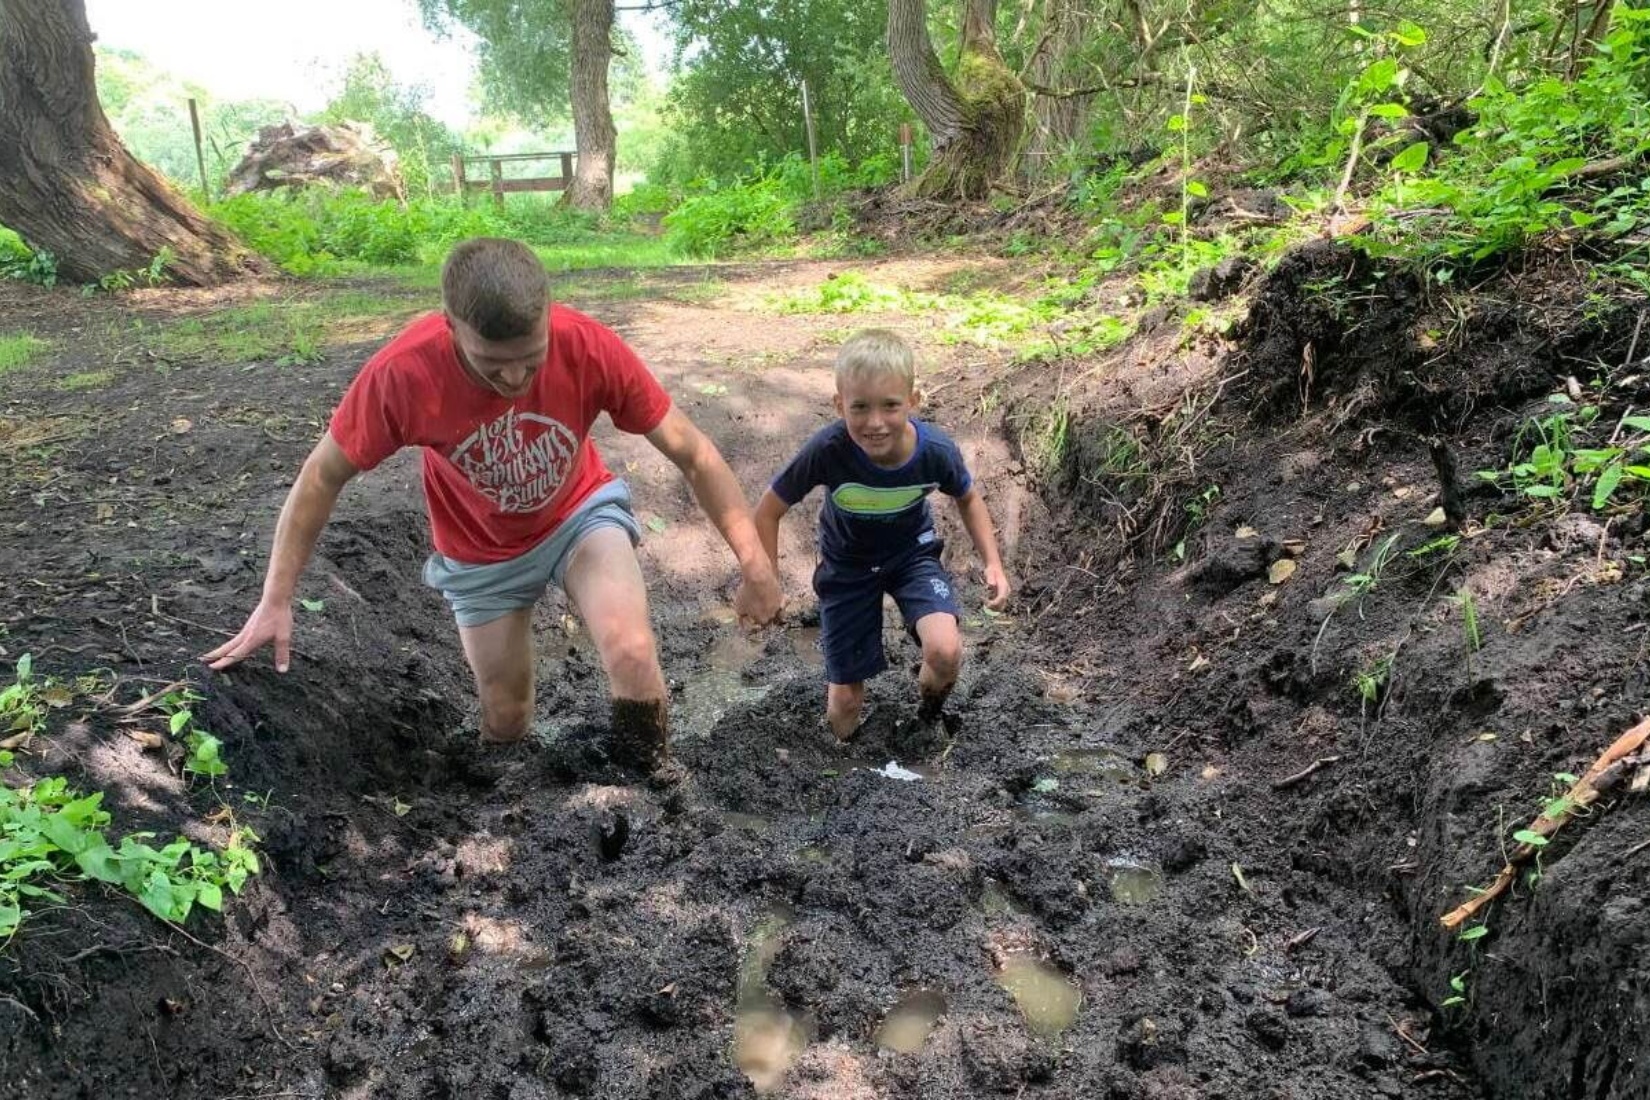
{"x": 1517, "y": 171}
{"x": 763, "y": 209}
{"x": 319, "y": 232}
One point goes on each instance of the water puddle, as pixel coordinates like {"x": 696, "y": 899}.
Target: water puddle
{"x": 767, "y": 1037}
{"x": 1101, "y": 763}
{"x": 1132, "y": 883}
{"x": 755, "y": 823}
{"x": 910, "y": 1022}
{"x": 805, "y": 643}
{"x": 1048, "y": 999}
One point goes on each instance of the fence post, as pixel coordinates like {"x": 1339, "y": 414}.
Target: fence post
{"x": 459, "y": 187}
{"x": 200, "y": 157}
{"x": 498, "y": 182}
{"x": 813, "y": 145}
{"x": 567, "y": 170}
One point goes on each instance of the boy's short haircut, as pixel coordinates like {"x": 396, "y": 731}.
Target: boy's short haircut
{"x": 496, "y": 286}
{"x": 876, "y": 353}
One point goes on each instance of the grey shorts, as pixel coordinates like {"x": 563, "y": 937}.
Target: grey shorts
{"x": 481, "y": 593}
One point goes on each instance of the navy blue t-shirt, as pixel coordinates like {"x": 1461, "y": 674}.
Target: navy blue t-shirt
{"x": 873, "y": 514}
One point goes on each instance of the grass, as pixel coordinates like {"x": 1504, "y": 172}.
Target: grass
{"x": 85, "y": 380}
{"x": 19, "y": 349}
{"x": 286, "y": 333}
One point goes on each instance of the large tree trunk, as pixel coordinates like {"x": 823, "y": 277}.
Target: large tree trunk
{"x": 1060, "y": 112}
{"x": 975, "y": 122}
{"x": 67, "y": 184}
{"x": 593, "y": 131}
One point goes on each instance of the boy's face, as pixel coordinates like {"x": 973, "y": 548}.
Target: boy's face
{"x": 877, "y": 409}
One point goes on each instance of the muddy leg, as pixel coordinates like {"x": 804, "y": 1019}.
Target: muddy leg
{"x": 604, "y": 581}
{"x": 500, "y": 654}
{"x": 941, "y": 661}
{"x": 844, "y": 703}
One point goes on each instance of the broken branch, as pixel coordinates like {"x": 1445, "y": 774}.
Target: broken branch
{"x": 1305, "y": 773}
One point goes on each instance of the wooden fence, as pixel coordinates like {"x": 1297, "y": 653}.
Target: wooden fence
{"x": 499, "y": 186}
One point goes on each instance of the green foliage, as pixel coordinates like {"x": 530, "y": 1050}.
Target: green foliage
{"x": 736, "y": 99}
{"x": 22, "y": 710}
{"x": 762, "y": 209}
{"x": 397, "y": 113}
{"x": 149, "y": 109}
{"x": 1516, "y": 173}
{"x": 50, "y": 834}
{"x": 19, "y": 261}
{"x": 1371, "y": 680}
{"x": 320, "y": 232}
{"x": 1551, "y": 464}
{"x": 19, "y": 349}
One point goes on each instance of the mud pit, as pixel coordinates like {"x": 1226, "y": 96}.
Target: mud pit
{"x": 1043, "y": 912}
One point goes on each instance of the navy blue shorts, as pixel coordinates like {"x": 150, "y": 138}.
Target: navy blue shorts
{"x": 850, "y": 607}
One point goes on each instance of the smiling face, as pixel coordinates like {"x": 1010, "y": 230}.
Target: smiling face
{"x": 877, "y": 408}
{"x": 507, "y": 367}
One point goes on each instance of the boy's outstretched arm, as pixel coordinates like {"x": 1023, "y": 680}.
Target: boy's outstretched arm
{"x": 769, "y": 511}
{"x": 977, "y": 521}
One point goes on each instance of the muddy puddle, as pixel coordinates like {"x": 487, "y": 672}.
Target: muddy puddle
{"x": 910, "y": 1022}
{"x": 1046, "y": 996}
{"x": 767, "y": 1037}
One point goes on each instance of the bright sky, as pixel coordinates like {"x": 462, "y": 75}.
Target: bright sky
{"x": 294, "y": 50}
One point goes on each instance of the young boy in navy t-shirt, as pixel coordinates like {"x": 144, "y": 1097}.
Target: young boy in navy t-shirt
{"x": 876, "y": 533}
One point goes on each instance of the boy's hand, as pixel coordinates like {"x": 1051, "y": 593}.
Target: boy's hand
{"x": 996, "y": 579}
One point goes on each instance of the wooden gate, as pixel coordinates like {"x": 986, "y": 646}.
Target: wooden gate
{"x": 498, "y": 185}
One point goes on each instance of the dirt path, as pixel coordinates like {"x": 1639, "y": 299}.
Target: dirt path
{"x": 1041, "y": 913}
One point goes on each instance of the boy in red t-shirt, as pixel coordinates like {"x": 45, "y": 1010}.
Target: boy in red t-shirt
{"x": 500, "y": 390}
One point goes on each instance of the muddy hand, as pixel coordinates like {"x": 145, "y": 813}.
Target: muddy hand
{"x": 996, "y": 579}
{"x": 758, "y": 601}
{"x": 269, "y": 622}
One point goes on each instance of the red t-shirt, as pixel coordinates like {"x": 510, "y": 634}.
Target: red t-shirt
{"x": 500, "y": 473}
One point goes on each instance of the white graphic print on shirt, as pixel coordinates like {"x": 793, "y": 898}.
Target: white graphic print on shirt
{"x": 519, "y": 461}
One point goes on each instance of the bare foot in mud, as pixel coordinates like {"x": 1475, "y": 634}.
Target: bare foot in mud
{"x": 639, "y": 739}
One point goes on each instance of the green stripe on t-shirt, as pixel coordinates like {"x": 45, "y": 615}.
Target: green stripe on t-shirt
{"x": 870, "y": 500}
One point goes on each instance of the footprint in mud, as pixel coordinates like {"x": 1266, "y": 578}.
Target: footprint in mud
{"x": 909, "y": 1023}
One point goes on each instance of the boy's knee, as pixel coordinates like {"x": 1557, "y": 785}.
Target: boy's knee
{"x": 944, "y": 655}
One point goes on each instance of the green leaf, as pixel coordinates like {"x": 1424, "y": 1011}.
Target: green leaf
{"x": 1389, "y": 110}
{"x": 1379, "y": 76}
{"x": 25, "y": 667}
{"x": 1176, "y": 124}
{"x": 1193, "y": 187}
{"x": 1412, "y": 159}
{"x": 1533, "y": 839}
{"x": 1638, "y": 423}
{"x": 314, "y": 605}
{"x": 1607, "y": 482}
{"x": 1173, "y": 217}
{"x": 210, "y": 895}
{"x": 179, "y": 721}
{"x": 1476, "y": 932}
{"x": 1409, "y": 35}
{"x": 1581, "y": 219}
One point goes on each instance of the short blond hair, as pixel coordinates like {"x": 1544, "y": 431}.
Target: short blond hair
{"x": 876, "y": 353}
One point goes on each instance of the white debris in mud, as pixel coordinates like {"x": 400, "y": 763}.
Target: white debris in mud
{"x": 892, "y": 770}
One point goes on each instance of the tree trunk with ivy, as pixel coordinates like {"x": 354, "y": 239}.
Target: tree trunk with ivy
{"x": 67, "y": 184}
{"x": 593, "y": 130}
{"x": 976, "y": 118}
